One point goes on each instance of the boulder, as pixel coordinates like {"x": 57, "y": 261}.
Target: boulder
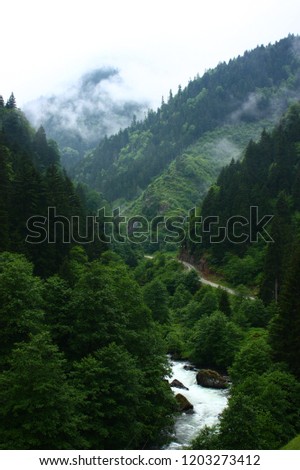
{"x": 177, "y": 384}
{"x": 189, "y": 367}
{"x": 211, "y": 379}
{"x": 183, "y": 404}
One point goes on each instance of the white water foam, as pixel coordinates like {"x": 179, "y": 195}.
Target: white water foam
{"x": 208, "y": 404}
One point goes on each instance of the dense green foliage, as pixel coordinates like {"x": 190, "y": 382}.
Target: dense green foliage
{"x": 187, "y": 178}
{"x": 256, "y": 341}
{"x": 31, "y": 181}
{"x": 79, "y": 117}
{"x": 265, "y": 179}
{"x": 265, "y": 368}
{"x": 82, "y": 365}
{"x": 263, "y": 406}
{"x": 74, "y": 373}
{"x": 262, "y": 414}
{"x": 84, "y": 331}
{"x": 246, "y": 90}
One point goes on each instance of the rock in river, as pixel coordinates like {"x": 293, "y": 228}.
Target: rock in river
{"x": 211, "y": 379}
{"x": 189, "y": 367}
{"x": 177, "y": 384}
{"x": 183, "y": 404}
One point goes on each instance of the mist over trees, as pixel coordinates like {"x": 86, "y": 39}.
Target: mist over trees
{"x": 74, "y": 325}
{"x": 266, "y": 364}
{"x": 85, "y": 328}
{"x": 87, "y": 111}
{"x": 255, "y": 87}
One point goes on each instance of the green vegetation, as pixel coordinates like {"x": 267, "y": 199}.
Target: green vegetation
{"x": 83, "y": 114}
{"x": 265, "y": 179}
{"x": 165, "y": 163}
{"x": 294, "y": 444}
{"x": 232, "y": 335}
{"x": 75, "y": 374}
{"x": 186, "y": 180}
{"x": 265, "y": 368}
{"x": 82, "y": 363}
{"x": 85, "y": 328}
{"x": 31, "y": 181}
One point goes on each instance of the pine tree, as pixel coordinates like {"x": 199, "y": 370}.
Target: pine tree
{"x": 4, "y": 190}
{"x": 41, "y": 148}
{"x": 224, "y": 304}
{"x": 11, "y": 102}
{"x": 277, "y": 251}
{"x": 285, "y": 328}
{"x": 1, "y": 102}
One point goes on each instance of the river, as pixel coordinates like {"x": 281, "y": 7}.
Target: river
{"x": 208, "y": 404}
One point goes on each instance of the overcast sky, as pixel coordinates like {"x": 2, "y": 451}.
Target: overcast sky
{"x": 156, "y": 44}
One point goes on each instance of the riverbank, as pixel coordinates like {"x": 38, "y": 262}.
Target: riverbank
{"x": 208, "y": 403}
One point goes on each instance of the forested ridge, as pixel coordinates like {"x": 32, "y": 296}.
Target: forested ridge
{"x": 267, "y": 178}
{"x": 85, "y": 328}
{"x": 254, "y": 88}
{"x": 32, "y": 180}
{"x": 79, "y": 117}
{"x": 74, "y": 326}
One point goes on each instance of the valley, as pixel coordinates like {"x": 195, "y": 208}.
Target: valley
{"x": 92, "y": 332}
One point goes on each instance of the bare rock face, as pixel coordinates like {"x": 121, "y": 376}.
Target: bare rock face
{"x": 183, "y": 404}
{"x": 177, "y": 384}
{"x": 211, "y": 379}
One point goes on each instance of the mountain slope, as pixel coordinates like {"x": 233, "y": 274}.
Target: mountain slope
{"x": 80, "y": 116}
{"x": 254, "y": 88}
{"x": 31, "y": 183}
{"x": 266, "y": 180}
{"x": 184, "y": 183}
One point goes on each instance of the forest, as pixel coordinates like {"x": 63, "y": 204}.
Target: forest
{"x": 267, "y": 177}
{"x": 254, "y": 88}
{"x": 74, "y": 326}
{"x": 86, "y": 329}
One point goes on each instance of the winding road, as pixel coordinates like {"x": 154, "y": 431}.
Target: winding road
{"x": 202, "y": 279}
{"x": 214, "y": 284}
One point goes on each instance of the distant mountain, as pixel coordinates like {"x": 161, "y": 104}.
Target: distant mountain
{"x": 87, "y": 111}
{"x": 167, "y": 161}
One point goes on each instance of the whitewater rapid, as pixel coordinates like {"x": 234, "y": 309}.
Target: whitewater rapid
{"x": 208, "y": 404}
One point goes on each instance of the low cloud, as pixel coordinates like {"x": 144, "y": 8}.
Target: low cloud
{"x": 249, "y": 110}
{"x": 98, "y": 104}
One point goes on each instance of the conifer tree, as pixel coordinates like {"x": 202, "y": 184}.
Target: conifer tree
{"x": 285, "y": 328}
{"x": 11, "y": 102}
{"x": 224, "y": 304}
{"x": 277, "y": 251}
{"x": 4, "y": 188}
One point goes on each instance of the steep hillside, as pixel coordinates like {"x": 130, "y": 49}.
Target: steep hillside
{"x": 75, "y": 332}
{"x": 257, "y": 200}
{"x": 31, "y": 182}
{"x": 80, "y": 116}
{"x": 253, "y": 89}
{"x": 263, "y": 186}
{"x": 184, "y": 183}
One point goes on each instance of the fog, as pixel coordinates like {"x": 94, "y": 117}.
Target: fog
{"x": 156, "y": 45}
{"x": 98, "y": 103}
